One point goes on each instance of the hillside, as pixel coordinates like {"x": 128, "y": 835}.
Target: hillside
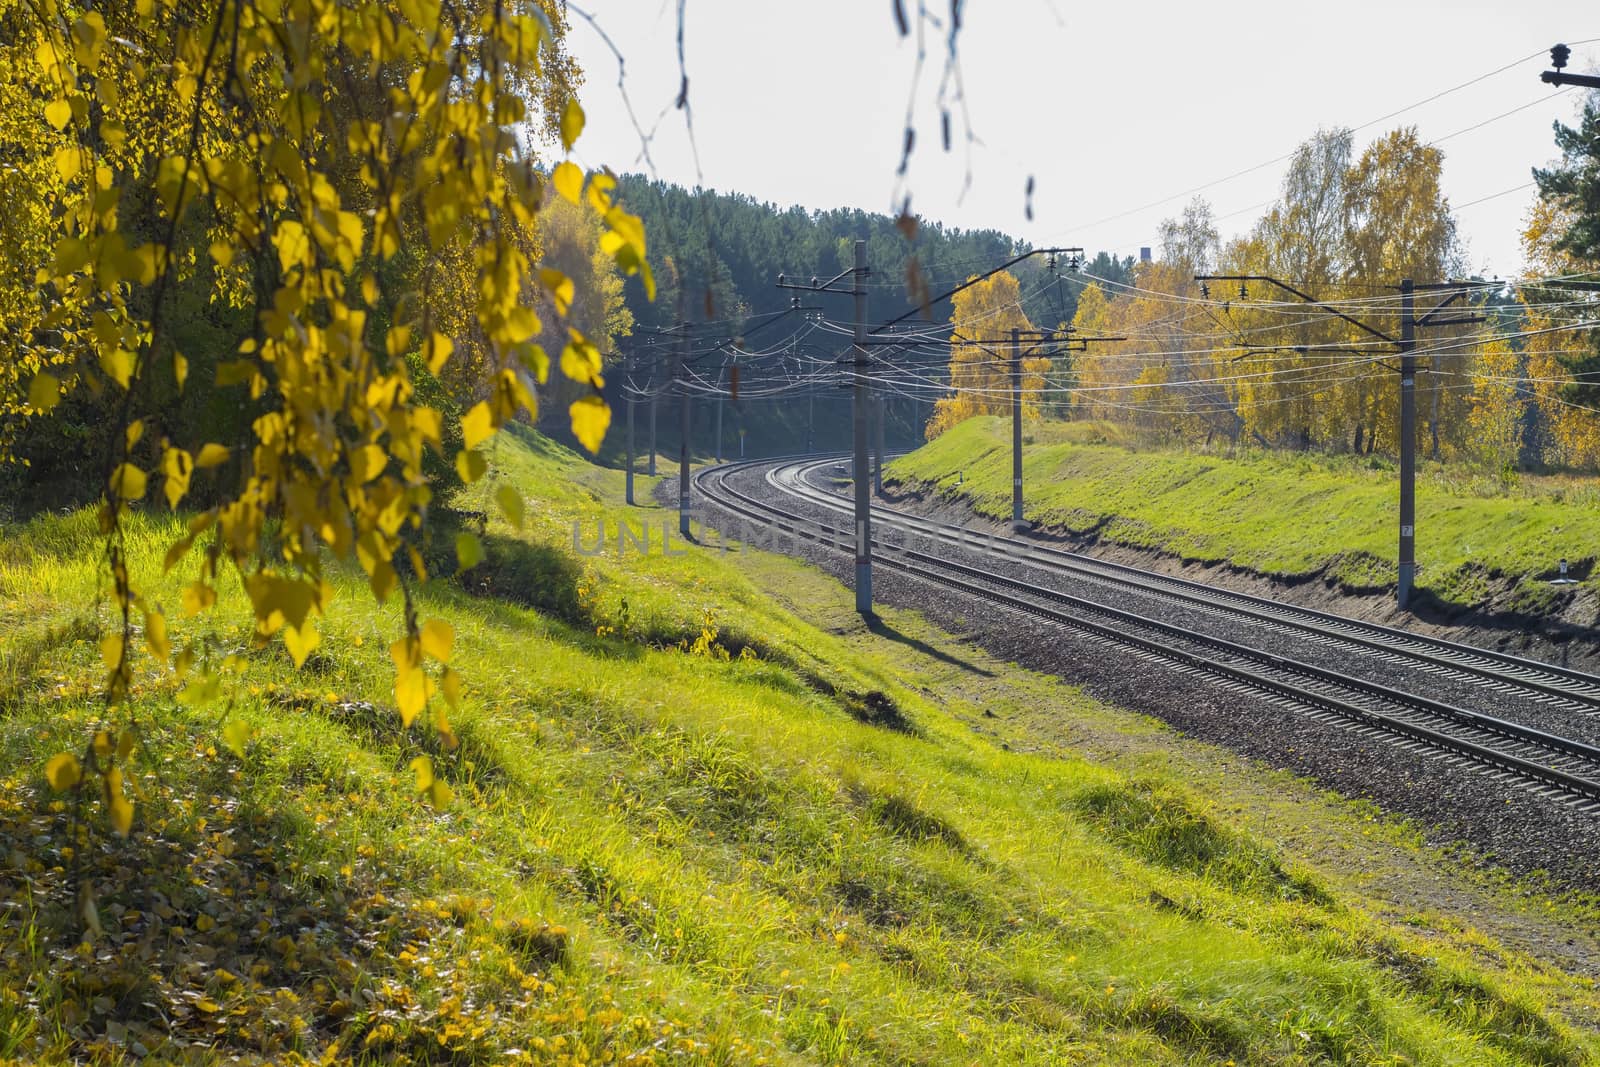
{"x": 1482, "y": 546}
{"x": 689, "y": 825}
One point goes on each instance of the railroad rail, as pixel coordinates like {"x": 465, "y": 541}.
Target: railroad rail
{"x": 1553, "y": 684}
{"x": 1546, "y": 763}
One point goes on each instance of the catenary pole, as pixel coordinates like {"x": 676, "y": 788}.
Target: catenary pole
{"x": 1016, "y": 429}
{"x": 863, "y": 498}
{"x": 629, "y": 494}
{"x": 1405, "y": 345}
{"x": 1408, "y": 441}
{"x": 685, "y": 429}
{"x": 654, "y": 404}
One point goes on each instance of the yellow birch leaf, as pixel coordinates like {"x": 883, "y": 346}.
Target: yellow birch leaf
{"x": 197, "y": 597}
{"x": 471, "y": 465}
{"x": 477, "y": 425}
{"x": 294, "y": 247}
{"x": 178, "y": 466}
{"x": 127, "y": 482}
{"x": 383, "y": 580}
{"x": 447, "y": 736}
{"x": 437, "y": 639}
{"x": 410, "y": 694}
{"x": 236, "y": 735}
{"x": 203, "y": 690}
{"x": 175, "y": 552}
{"x": 568, "y": 180}
{"x": 580, "y": 360}
{"x": 510, "y": 502}
{"x": 134, "y": 433}
{"x": 118, "y": 363}
{"x": 469, "y": 551}
{"x": 437, "y": 351}
{"x": 571, "y": 123}
{"x": 121, "y": 806}
{"x": 450, "y": 685}
{"x": 69, "y": 162}
{"x": 300, "y": 641}
{"x": 590, "y": 420}
{"x": 155, "y": 635}
{"x": 125, "y": 744}
{"x": 180, "y": 370}
{"x": 367, "y": 462}
{"x": 560, "y": 288}
{"x": 440, "y": 794}
{"x": 58, "y": 113}
{"x": 423, "y": 766}
{"x": 211, "y": 456}
{"x": 111, "y": 651}
{"x": 44, "y": 392}
{"x": 62, "y": 771}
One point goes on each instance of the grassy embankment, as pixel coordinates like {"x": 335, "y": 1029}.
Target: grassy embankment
{"x": 1277, "y": 514}
{"x": 660, "y": 853}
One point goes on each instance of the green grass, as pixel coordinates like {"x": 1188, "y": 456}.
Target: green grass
{"x": 689, "y": 826}
{"x": 1274, "y": 513}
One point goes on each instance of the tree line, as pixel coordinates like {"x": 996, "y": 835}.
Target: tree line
{"x": 1240, "y": 362}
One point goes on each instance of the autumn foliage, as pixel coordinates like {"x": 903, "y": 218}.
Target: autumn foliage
{"x": 359, "y": 184}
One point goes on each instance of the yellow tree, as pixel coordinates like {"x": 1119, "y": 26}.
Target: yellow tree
{"x": 1494, "y": 415}
{"x": 1398, "y": 225}
{"x": 300, "y": 153}
{"x": 1098, "y": 373}
{"x": 570, "y": 236}
{"x": 982, "y": 318}
{"x": 1568, "y": 433}
{"x": 1284, "y": 395}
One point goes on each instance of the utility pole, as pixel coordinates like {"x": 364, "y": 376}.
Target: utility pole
{"x": 1055, "y": 342}
{"x": 1408, "y": 442}
{"x": 1405, "y": 345}
{"x": 654, "y": 404}
{"x": 860, "y": 471}
{"x": 859, "y": 414}
{"x": 628, "y": 496}
{"x": 686, "y": 427}
{"x": 1558, "y": 59}
{"x": 861, "y": 339}
{"x": 1017, "y": 523}
{"x": 811, "y": 399}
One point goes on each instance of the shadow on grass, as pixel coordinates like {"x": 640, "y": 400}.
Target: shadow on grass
{"x": 883, "y": 629}
{"x": 222, "y": 923}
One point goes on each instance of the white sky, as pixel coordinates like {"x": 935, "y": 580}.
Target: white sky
{"x": 1110, "y": 105}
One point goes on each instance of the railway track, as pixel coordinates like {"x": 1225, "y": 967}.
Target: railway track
{"x": 1552, "y": 684}
{"x": 1548, "y": 764}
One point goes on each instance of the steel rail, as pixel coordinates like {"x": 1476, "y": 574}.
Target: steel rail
{"x": 1583, "y": 788}
{"x": 1564, "y": 687}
